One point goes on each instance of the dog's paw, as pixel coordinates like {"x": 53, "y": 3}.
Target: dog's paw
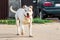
{"x": 17, "y": 34}
{"x": 22, "y": 33}
{"x": 30, "y": 36}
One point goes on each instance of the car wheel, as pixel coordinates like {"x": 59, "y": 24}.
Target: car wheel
{"x": 43, "y": 15}
{"x": 59, "y": 18}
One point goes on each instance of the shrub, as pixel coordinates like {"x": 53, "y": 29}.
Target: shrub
{"x": 35, "y": 20}
{"x": 11, "y": 22}
{"x": 0, "y": 21}
{"x": 38, "y": 20}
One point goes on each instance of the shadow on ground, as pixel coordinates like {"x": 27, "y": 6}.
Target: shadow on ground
{"x": 13, "y": 36}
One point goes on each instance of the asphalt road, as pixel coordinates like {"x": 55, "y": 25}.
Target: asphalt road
{"x": 48, "y": 31}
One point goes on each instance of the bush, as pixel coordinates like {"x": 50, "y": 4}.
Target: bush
{"x": 35, "y": 20}
{"x": 38, "y": 20}
{"x": 0, "y": 21}
{"x": 11, "y": 22}
{"x": 3, "y": 22}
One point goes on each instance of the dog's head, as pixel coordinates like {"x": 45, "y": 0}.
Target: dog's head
{"x": 28, "y": 11}
{"x": 28, "y": 14}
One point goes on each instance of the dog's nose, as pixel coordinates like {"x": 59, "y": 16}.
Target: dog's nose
{"x": 27, "y": 14}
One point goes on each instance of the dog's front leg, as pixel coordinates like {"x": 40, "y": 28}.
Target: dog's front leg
{"x": 30, "y": 29}
{"x": 22, "y": 28}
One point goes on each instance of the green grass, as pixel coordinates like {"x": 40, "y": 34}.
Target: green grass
{"x": 35, "y": 20}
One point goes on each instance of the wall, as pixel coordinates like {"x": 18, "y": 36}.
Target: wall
{"x": 15, "y": 4}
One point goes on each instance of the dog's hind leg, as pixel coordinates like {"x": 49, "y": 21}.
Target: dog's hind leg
{"x": 18, "y": 28}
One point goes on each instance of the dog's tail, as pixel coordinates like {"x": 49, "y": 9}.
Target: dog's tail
{"x": 12, "y": 9}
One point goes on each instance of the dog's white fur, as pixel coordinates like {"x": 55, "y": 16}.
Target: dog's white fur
{"x": 19, "y": 16}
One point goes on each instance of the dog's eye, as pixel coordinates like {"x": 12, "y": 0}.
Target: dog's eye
{"x": 25, "y": 10}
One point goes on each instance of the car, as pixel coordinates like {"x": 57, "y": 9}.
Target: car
{"x": 49, "y": 8}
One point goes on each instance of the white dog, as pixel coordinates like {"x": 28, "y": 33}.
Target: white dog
{"x": 23, "y": 16}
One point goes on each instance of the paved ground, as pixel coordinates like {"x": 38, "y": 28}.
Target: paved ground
{"x": 50, "y": 31}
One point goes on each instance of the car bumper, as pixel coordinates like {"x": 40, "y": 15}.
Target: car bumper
{"x": 52, "y": 9}
{"x": 55, "y": 11}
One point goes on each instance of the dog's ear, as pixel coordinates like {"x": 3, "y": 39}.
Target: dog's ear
{"x": 24, "y": 6}
{"x": 31, "y": 6}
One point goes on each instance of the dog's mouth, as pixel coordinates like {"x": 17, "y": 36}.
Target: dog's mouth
{"x": 27, "y": 15}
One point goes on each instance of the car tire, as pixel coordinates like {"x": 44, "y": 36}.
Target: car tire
{"x": 59, "y": 18}
{"x": 43, "y": 15}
